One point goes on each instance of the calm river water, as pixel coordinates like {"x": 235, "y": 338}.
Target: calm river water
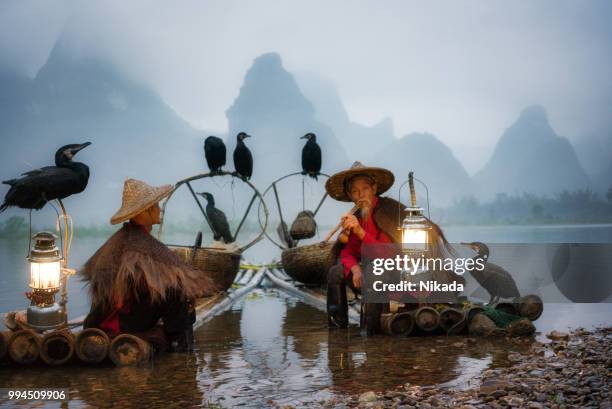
{"x": 271, "y": 349}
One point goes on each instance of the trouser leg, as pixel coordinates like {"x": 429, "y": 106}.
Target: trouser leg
{"x": 337, "y": 306}
{"x": 178, "y": 316}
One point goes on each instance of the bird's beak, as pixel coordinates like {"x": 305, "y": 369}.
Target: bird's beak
{"x": 303, "y": 137}
{"x": 247, "y": 136}
{"x": 80, "y": 147}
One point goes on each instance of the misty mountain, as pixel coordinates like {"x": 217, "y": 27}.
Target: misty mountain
{"x": 272, "y": 108}
{"x": 530, "y": 157}
{"x": 432, "y": 162}
{"x": 594, "y": 153}
{"x": 329, "y": 109}
{"x": 75, "y": 98}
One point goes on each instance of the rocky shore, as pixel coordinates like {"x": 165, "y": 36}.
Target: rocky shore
{"x": 572, "y": 371}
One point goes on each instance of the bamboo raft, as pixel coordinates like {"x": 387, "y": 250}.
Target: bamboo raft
{"x": 437, "y": 319}
{"x": 91, "y": 346}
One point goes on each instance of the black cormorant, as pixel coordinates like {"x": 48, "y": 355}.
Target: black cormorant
{"x": 243, "y": 159}
{"x": 38, "y": 186}
{"x": 311, "y": 156}
{"x": 217, "y": 219}
{"x": 214, "y": 151}
{"x": 493, "y": 278}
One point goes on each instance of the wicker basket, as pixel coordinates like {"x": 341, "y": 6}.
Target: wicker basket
{"x": 222, "y": 266}
{"x": 308, "y": 264}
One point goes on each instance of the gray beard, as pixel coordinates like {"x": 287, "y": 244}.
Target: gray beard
{"x": 364, "y": 210}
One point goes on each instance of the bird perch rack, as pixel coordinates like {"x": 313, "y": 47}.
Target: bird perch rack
{"x": 256, "y": 195}
{"x": 279, "y": 207}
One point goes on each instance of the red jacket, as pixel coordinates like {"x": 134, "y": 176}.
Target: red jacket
{"x": 351, "y": 253}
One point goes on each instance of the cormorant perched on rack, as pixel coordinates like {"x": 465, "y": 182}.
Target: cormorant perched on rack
{"x": 217, "y": 219}
{"x": 243, "y": 160}
{"x": 214, "y": 151}
{"x": 497, "y": 281}
{"x": 38, "y": 186}
{"x": 311, "y": 156}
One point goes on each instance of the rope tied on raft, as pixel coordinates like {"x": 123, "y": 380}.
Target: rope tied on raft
{"x": 501, "y": 318}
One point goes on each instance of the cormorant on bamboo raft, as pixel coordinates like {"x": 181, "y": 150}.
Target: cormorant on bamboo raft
{"x": 39, "y": 186}
{"x": 495, "y": 279}
{"x": 243, "y": 159}
{"x": 215, "y": 154}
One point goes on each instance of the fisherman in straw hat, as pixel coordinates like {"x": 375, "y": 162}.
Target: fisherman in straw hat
{"x": 374, "y": 222}
{"x": 134, "y": 279}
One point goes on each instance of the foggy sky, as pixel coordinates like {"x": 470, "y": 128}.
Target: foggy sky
{"x": 460, "y": 70}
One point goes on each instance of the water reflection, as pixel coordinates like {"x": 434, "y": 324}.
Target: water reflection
{"x": 272, "y": 349}
{"x": 286, "y": 355}
{"x": 170, "y": 383}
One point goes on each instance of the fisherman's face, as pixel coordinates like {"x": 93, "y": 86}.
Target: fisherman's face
{"x": 362, "y": 192}
{"x": 155, "y": 214}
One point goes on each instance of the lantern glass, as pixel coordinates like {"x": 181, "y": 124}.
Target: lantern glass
{"x": 415, "y": 231}
{"x": 45, "y": 275}
{"x": 45, "y": 263}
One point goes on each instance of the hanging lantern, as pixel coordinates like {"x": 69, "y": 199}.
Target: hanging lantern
{"x": 415, "y": 227}
{"x": 45, "y": 281}
{"x": 415, "y": 231}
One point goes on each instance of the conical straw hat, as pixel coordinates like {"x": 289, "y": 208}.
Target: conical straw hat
{"x": 337, "y": 184}
{"x": 137, "y": 197}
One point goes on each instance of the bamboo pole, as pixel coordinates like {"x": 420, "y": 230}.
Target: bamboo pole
{"x": 5, "y": 336}
{"x": 530, "y": 306}
{"x": 57, "y": 347}
{"x": 335, "y": 229}
{"x": 397, "y": 323}
{"x": 426, "y": 319}
{"x": 130, "y": 350}
{"x": 24, "y": 346}
{"x": 507, "y": 307}
{"x": 452, "y": 321}
{"x": 92, "y": 345}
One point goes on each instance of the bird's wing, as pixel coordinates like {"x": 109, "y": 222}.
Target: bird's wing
{"x": 219, "y": 221}
{"x": 51, "y": 179}
{"x": 503, "y": 282}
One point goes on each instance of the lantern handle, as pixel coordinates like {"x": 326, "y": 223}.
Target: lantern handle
{"x": 399, "y": 195}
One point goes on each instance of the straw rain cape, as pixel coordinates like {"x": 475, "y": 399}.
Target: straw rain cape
{"x": 132, "y": 259}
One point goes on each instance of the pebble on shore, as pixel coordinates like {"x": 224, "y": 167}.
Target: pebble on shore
{"x": 573, "y": 370}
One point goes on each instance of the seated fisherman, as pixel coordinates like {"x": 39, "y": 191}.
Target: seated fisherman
{"x": 135, "y": 280}
{"x": 376, "y": 222}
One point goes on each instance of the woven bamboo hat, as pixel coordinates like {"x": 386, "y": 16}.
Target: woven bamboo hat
{"x": 137, "y": 197}
{"x": 337, "y": 185}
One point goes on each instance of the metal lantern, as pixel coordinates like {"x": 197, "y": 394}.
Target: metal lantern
{"x": 415, "y": 227}
{"x": 45, "y": 281}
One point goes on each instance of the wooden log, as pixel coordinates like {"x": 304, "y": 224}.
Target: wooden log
{"x": 5, "y": 336}
{"x": 129, "y": 350}
{"x": 57, "y": 347}
{"x": 24, "y": 346}
{"x": 452, "y": 321}
{"x": 92, "y": 345}
{"x": 530, "y": 306}
{"x": 397, "y": 323}
{"x": 507, "y": 307}
{"x": 426, "y": 319}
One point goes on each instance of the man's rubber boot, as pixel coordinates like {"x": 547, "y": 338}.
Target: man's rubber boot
{"x": 337, "y": 306}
